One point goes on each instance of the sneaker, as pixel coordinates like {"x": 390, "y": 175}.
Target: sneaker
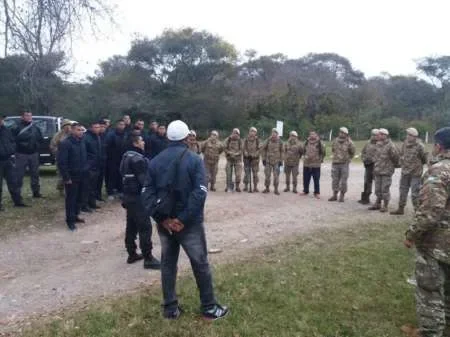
{"x": 134, "y": 258}
{"x": 173, "y": 314}
{"x": 215, "y": 313}
{"x": 152, "y": 263}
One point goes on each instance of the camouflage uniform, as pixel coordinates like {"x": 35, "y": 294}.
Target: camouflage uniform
{"x": 315, "y": 153}
{"x": 386, "y": 160}
{"x": 412, "y": 158}
{"x": 251, "y": 161}
{"x": 431, "y": 235}
{"x": 343, "y": 151}
{"x": 54, "y": 143}
{"x": 368, "y": 158}
{"x": 293, "y": 150}
{"x": 233, "y": 150}
{"x": 272, "y": 153}
{"x": 211, "y": 149}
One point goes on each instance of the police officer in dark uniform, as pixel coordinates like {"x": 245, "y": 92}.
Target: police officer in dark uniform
{"x": 135, "y": 177}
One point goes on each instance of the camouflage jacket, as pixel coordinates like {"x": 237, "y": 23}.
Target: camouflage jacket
{"x": 293, "y": 150}
{"x": 57, "y": 138}
{"x": 211, "y": 149}
{"x": 273, "y": 151}
{"x": 343, "y": 150}
{"x": 412, "y": 158}
{"x": 233, "y": 149}
{"x": 368, "y": 152}
{"x": 315, "y": 153}
{"x": 430, "y": 230}
{"x": 251, "y": 148}
{"x": 386, "y": 158}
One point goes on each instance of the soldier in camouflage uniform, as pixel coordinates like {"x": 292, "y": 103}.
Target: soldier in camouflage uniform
{"x": 386, "y": 160}
{"x": 343, "y": 151}
{"x": 293, "y": 150}
{"x": 431, "y": 235}
{"x": 233, "y": 148}
{"x": 54, "y": 143}
{"x": 211, "y": 149}
{"x": 251, "y": 159}
{"x": 412, "y": 158}
{"x": 273, "y": 154}
{"x": 194, "y": 146}
{"x": 368, "y": 158}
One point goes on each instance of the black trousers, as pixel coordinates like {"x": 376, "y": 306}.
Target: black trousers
{"x": 90, "y": 189}
{"x": 114, "y": 181}
{"x": 7, "y": 171}
{"x": 99, "y": 184}
{"x": 314, "y": 173}
{"x": 138, "y": 222}
{"x": 74, "y": 195}
{"x": 368, "y": 179}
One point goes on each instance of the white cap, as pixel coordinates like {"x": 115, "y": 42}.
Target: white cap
{"x": 375, "y": 132}
{"x": 236, "y": 130}
{"x": 193, "y": 133}
{"x": 253, "y": 129}
{"x": 293, "y": 133}
{"x": 344, "y": 130}
{"x": 275, "y": 130}
{"x": 215, "y": 133}
{"x": 384, "y": 131}
{"x": 412, "y": 132}
{"x": 177, "y": 130}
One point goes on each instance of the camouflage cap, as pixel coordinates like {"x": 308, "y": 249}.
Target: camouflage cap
{"x": 214, "y": 133}
{"x": 275, "y": 130}
{"x": 293, "y": 133}
{"x": 236, "y": 130}
{"x": 412, "y": 132}
{"x": 442, "y": 137}
{"x": 384, "y": 131}
{"x": 253, "y": 129}
{"x": 344, "y": 130}
{"x": 375, "y": 132}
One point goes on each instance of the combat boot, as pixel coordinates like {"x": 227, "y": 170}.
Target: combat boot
{"x": 152, "y": 263}
{"x": 134, "y": 257}
{"x": 246, "y": 188}
{"x": 376, "y": 206}
{"x": 213, "y": 189}
{"x": 266, "y": 190}
{"x": 364, "y": 199}
{"x": 384, "y": 209}
{"x": 288, "y": 188}
{"x": 400, "y": 211}
{"x": 255, "y": 189}
{"x": 238, "y": 189}
{"x": 334, "y": 197}
{"x": 294, "y": 189}
{"x": 276, "y": 191}
{"x": 342, "y": 197}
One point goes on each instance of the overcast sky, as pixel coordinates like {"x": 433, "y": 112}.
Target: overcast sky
{"x": 376, "y": 36}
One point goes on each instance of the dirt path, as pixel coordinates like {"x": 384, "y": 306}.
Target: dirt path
{"x": 47, "y": 271}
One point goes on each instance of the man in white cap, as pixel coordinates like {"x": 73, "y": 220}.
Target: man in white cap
{"x": 194, "y": 146}
{"x": 233, "y": 148}
{"x": 176, "y": 196}
{"x": 343, "y": 151}
{"x": 368, "y": 158}
{"x": 412, "y": 158}
{"x": 386, "y": 160}
{"x": 251, "y": 160}
{"x": 273, "y": 156}
{"x": 211, "y": 149}
{"x": 293, "y": 150}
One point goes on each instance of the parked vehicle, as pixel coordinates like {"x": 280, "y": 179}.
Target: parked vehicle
{"x": 49, "y": 126}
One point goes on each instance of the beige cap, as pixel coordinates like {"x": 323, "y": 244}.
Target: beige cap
{"x": 344, "y": 130}
{"x": 236, "y": 130}
{"x": 293, "y": 133}
{"x": 375, "y": 132}
{"x": 412, "y": 132}
{"x": 215, "y": 133}
{"x": 275, "y": 130}
{"x": 193, "y": 133}
{"x": 253, "y": 129}
{"x": 384, "y": 131}
{"x": 66, "y": 122}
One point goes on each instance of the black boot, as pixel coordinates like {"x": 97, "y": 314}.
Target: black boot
{"x": 152, "y": 263}
{"x": 134, "y": 257}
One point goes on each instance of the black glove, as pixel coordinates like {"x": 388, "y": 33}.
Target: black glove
{"x": 264, "y": 163}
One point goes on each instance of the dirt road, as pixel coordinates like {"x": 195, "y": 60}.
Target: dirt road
{"x": 46, "y": 271}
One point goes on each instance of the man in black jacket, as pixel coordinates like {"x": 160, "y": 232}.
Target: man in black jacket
{"x": 115, "y": 148}
{"x": 157, "y": 142}
{"x": 101, "y": 175}
{"x": 28, "y": 138}
{"x": 135, "y": 175}
{"x": 72, "y": 164}
{"x": 94, "y": 150}
{"x": 7, "y": 165}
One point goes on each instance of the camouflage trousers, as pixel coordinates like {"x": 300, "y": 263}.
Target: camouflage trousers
{"x": 236, "y": 167}
{"x": 251, "y": 166}
{"x": 406, "y": 182}
{"x": 432, "y": 296}
{"x": 268, "y": 171}
{"x": 383, "y": 187}
{"x": 211, "y": 172}
{"x": 339, "y": 176}
{"x": 291, "y": 171}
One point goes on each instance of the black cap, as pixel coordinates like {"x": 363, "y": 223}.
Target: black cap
{"x": 442, "y": 137}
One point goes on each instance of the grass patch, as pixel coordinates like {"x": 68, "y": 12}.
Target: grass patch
{"x": 346, "y": 283}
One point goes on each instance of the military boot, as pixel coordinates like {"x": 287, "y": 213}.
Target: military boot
{"x": 276, "y": 191}
{"x": 213, "y": 189}
{"x": 384, "y": 208}
{"x": 362, "y": 201}
{"x": 399, "y": 211}
{"x": 266, "y": 190}
{"x": 238, "y": 189}
{"x": 246, "y": 188}
{"x": 334, "y": 197}
{"x": 151, "y": 262}
{"x": 294, "y": 189}
{"x": 376, "y": 206}
{"x": 288, "y": 188}
{"x": 342, "y": 197}
{"x": 255, "y": 188}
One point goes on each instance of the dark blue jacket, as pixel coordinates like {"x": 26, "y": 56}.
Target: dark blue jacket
{"x": 155, "y": 144}
{"x": 94, "y": 149}
{"x": 190, "y": 186}
{"x": 7, "y": 143}
{"x": 115, "y": 145}
{"x": 72, "y": 159}
{"x": 28, "y": 141}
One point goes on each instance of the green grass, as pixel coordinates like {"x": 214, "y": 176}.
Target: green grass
{"x": 346, "y": 283}
{"x": 42, "y": 212}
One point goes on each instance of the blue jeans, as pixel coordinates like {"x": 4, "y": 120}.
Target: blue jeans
{"x": 308, "y": 173}
{"x": 193, "y": 240}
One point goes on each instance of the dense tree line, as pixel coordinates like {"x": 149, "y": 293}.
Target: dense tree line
{"x": 199, "y": 77}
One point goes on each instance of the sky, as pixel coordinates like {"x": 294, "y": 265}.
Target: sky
{"x": 376, "y": 36}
